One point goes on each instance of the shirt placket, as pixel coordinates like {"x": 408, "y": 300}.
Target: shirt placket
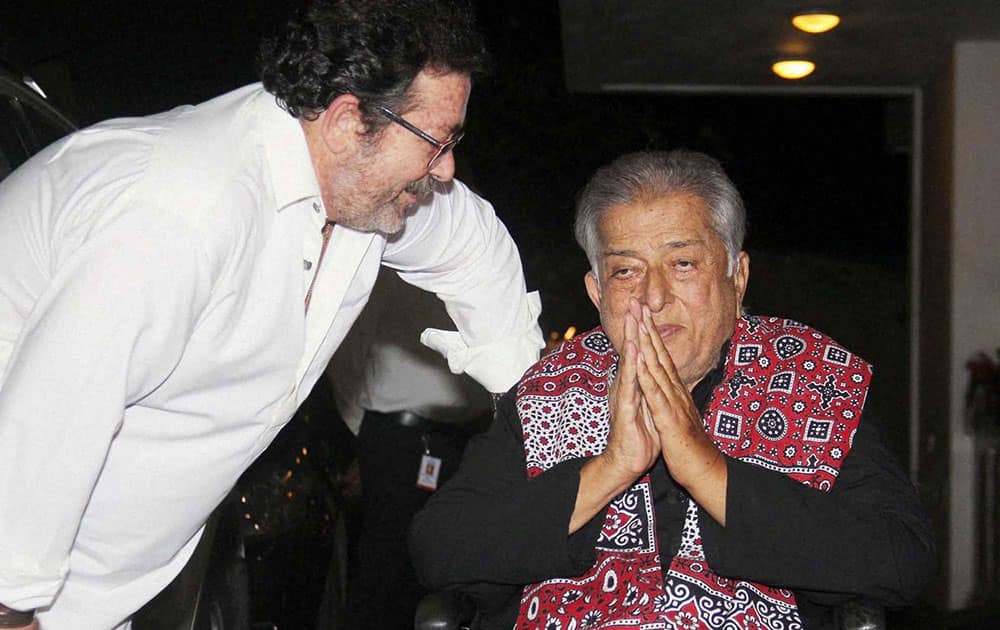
{"x": 313, "y": 249}
{"x": 325, "y": 231}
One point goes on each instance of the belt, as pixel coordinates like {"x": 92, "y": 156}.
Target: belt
{"x": 409, "y": 419}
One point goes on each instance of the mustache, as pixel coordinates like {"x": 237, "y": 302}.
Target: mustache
{"x": 421, "y": 188}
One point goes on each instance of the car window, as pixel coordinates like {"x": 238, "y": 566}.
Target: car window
{"x": 46, "y": 130}
{"x": 14, "y": 143}
{"x": 28, "y": 122}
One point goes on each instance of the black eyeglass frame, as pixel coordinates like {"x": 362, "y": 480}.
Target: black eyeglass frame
{"x": 442, "y": 147}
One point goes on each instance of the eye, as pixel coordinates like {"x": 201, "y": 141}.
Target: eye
{"x": 684, "y": 264}
{"x": 622, "y": 272}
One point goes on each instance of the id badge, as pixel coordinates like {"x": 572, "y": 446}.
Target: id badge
{"x": 430, "y": 468}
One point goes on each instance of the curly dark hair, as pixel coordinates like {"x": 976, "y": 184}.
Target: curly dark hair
{"x": 373, "y": 49}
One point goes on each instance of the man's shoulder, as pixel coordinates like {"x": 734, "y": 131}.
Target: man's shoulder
{"x": 209, "y": 150}
{"x": 780, "y": 331}
{"x": 584, "y": 363}
{"x": 186, "y": 151}
{"x": 183, "y": 124}
{"x": 209, "y": 168}
{"x": 196, "y": 165}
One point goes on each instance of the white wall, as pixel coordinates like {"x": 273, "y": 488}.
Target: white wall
{"x": 975, "y": 277}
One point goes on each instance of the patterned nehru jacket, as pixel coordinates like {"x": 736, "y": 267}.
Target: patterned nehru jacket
{"x": 789, "y": 400}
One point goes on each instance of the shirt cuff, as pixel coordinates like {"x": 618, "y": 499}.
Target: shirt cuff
{"x": 497, "y": 365}
{"x": 26, "y": 585}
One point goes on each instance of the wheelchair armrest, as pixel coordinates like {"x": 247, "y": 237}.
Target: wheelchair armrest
{"x": 445, "y": 610}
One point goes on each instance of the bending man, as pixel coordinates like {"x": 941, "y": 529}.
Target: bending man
{"x": 171, "y": 287}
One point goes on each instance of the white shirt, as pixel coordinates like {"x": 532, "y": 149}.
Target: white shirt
{"x": 153, "y": 340}
{"x": 382, "y": 366}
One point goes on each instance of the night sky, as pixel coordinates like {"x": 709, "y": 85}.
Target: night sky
{"x": 825, "y": 179}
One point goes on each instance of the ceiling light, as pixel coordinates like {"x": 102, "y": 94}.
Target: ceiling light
{"x": 816, "y": 21}
{"x": 793, "y": 68}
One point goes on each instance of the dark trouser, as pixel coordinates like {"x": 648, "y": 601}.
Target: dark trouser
{"x": 383, "y": 591}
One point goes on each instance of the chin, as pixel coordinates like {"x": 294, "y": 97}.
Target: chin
{"x": 391, "y": 228}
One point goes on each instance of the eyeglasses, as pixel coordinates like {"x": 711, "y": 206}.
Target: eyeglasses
{"x": 442, "y": 147}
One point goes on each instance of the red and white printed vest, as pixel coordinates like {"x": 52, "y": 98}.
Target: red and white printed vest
{"x": 789, "y": 400}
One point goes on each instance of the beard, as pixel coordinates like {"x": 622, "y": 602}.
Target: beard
{"x": 389, "y": 217}
{"x": 368, "y": 201}
{"x": 381, "y": 212}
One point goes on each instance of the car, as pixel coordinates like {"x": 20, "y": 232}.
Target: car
{"x": 28, "y": 120}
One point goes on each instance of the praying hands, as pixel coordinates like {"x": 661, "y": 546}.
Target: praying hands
{"x": 652, "y": 414}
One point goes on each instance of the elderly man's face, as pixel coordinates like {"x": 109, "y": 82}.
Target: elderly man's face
{"x": 664, "y": 253}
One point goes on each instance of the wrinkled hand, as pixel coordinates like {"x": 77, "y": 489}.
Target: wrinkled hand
{"x": 633, "y": 441}
{"x": 690, "y": 455}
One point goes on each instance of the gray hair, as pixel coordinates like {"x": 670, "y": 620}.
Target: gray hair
{"x": 654, "y": 174}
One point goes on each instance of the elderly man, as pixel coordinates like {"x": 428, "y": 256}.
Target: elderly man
{"x": 685, "y": 465}
{"x": 171, "y": 288}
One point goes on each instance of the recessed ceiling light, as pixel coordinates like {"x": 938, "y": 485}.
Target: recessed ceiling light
{"x": 816, "y": 21}
{"x": 793, "y": 68}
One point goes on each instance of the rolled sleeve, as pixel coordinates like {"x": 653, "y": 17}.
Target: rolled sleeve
{"x": 457, "y": 248}
{"x": 496, "y": 365}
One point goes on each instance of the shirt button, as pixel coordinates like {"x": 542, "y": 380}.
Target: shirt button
{"x": 307, "y": 265}
{"x": 316, "y": 207}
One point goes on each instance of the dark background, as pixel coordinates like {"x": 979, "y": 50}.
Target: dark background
{"x": 826, "y": 179}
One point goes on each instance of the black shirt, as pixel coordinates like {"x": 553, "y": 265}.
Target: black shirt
{"x": 491, "y": 530}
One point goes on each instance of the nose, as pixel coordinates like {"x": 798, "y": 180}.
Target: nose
{"x": 658, "y": 290}
{"x": 443, "y": 169}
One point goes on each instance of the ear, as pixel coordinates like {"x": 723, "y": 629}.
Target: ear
{"x": 740, "y": 278}
{"x": 593, "y": 289}
{"x": 341, "y": 124}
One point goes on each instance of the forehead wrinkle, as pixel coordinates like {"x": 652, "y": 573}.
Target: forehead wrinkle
{"x": 690, "y": 242}
{"x": 632, "y": 253}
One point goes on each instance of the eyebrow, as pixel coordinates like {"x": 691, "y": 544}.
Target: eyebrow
{"x": 455, "y": 130}
{"x": 631, "y": 253}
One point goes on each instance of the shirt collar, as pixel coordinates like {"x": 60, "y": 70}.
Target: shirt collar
{"x": 292, "y": 176}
